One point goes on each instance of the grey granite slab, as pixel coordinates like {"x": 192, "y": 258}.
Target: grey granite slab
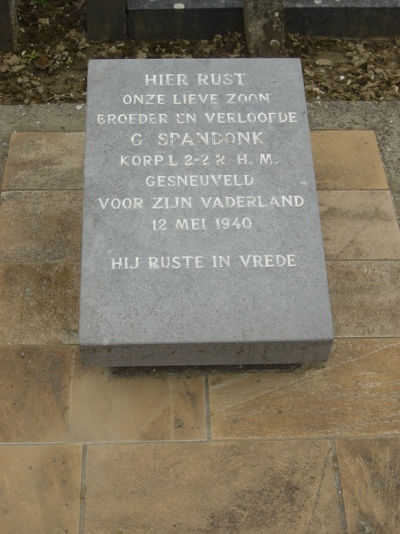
{"x": 201, "y": 235}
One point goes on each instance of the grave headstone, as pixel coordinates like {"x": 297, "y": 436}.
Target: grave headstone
{"x": 201, "y": 238}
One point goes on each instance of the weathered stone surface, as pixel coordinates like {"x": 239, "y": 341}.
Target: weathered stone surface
{"x": 40, "y": 488}
{"x": 264, "y": 27}
{"x": 202, "y": 240}
{"x": 244, "y": 487}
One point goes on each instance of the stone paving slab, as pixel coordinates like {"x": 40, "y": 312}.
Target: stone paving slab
{"x": 194, "y": 488}
{"x": 117, "y": 408}
{"x": 370, "y": 479}
{"x": 35, "y": 393}
{"x": 39, "y": 303}
{"x": 355, "y": 393}
{"x": 347, "y": 160}
{"x": 45, "y": 160}
{"x": 384, "y": 120}
{"x": 40, "y": 489}
{"x": 364, "y": 297}
{"x": 40, "y": 226}
{"x": 358, "y": 225}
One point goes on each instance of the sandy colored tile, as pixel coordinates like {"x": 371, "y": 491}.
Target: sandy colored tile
{"x": 356, "y": 393}
{"x": 204, "y": 488}
{"x": 39, "y": 303}
{"x": 45, "y": 160}
{"x": 40, "y": 489}
{"x": 347, "y": 160}
{"x": 34, "y": 393}
{"x": 365, "y": 298}
{"x": 370, "y": 474}
{"x": 40, "y": 226}
{"x": 358, "y": 225}
{"x": 105, "y": 407}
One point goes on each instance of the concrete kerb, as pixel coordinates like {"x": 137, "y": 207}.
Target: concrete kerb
{"x": 383, "y": 118}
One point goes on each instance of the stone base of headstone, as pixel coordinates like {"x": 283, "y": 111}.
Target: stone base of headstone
{"x": 106, "y": 20}
{"x": 264, "y": 27}
{"x": 192, "y": 19}
{"x": 8, "y": 25}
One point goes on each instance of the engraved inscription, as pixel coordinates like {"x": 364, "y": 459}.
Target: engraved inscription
{"x": 247, "y": 261}
{"x": 200, "y": 156}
